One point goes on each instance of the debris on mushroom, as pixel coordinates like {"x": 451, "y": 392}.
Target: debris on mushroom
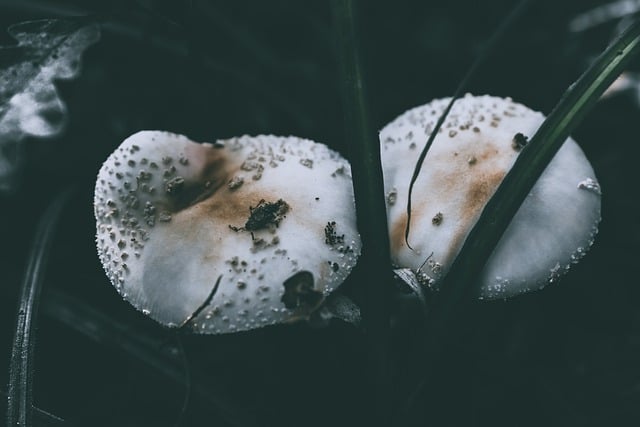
{"x": 552, "y": 229}
{"x": 228, "y": 236}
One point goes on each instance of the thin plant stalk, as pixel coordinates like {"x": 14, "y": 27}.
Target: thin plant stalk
{"x": 497, "y": 37}
{"x": 20, "y": 390}
{"x": 364, "y": 153}
{"x": 41, "y": 416}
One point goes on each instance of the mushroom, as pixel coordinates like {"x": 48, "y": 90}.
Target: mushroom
{"x": 474, "y": 149}
{"x": 224, "y": 237}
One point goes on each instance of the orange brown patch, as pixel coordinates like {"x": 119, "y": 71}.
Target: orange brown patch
{"x": 479, "y": 193}
{"x": 397, "y": 232}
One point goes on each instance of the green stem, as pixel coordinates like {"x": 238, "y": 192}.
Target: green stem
{"x": 364, "y": 153}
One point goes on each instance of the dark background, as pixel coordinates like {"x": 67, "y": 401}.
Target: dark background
{"x": 565, "y": 356}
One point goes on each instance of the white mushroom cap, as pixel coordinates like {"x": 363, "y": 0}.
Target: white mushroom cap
{"x": 475, "y": 148}
{"x": 268, "y": 222}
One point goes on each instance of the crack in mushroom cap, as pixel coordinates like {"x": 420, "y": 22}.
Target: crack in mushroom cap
{"x": 474, "y": 149}
{"x": 174, "y": 215}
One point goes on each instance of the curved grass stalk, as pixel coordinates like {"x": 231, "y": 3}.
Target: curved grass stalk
{"x": 20, "y": 391}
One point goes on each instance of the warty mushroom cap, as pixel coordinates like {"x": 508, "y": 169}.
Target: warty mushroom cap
{"x": 475, "y": 148}
{"x": 224, "y": 237}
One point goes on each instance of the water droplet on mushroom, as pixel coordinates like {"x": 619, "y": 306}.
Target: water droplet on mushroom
{"x": 590, "y": 184}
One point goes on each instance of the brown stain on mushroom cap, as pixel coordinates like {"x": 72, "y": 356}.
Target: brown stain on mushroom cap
{"x": 454, "y": 184}
{"x": 397, "y": 229}
{"x": 205, "y": 195}
{"x": 479, "y": 193}
{"x": 477, "y": 196}
{"x": 231, "y": 208}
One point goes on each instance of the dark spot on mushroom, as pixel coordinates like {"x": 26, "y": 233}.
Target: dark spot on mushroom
{"x": 174, "y": 185}
{"x": 144, "y": 176}
{"x": 307, "y": 163}
{"x": 259, "y": 243}
{"x": 149, "y": 214}
{"x": 330, "y": 235}
{"x": 339, "y": 171}
{"x": 167, "y": 173}
{"x": 266, "y": 215}
{"x": 519, "y": 141}
{"x": 437, "y": 219}
{"x": 249, "y": 166}
{"x": 164, "y": 216}
{"x": 299, "y": 291}
{"x": 235, "y": 183}
{"x": 392, "y": 196}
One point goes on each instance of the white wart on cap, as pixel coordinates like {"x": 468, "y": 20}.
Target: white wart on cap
{"x": 473, "y": 151}
{"x": 224, "y": 237}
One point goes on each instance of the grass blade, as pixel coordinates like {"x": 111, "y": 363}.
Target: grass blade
{"x": 364, "y": 154}
{"x": 20, "y": 391}
{"x": 41, "y": 416}
{"x": 490, "y": 47}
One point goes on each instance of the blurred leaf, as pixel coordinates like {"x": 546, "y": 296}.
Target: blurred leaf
{"x": 29, "y": 102}
{"x": 151, "y": 351}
